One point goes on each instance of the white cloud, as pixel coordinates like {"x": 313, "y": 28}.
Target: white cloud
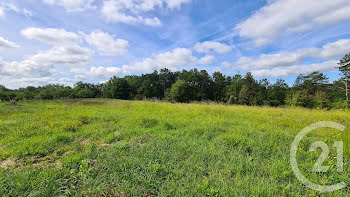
{"x": 5, "y": 5}
{"x": 179, "y": 57}
{"x": 208, "y": 47}
{"x": 64, "y": 52}
{"x": 10, "y": 82}
{"x": 43, "y": 63}
{"x": 98, "y": 72}
{"x": 106, "y": 44}
{"x": 72, "y": 55}
{"x": 285, "y": 59}
{"x": 270, "y": 60}
{"x": 174, "y": 59}
{"x": 176, "y": 3}
{"x": 2, "y": 12}
{"x": 295, "y": 70}
{"x": 73, "y": 5}
{"x": 133, "y": 11}
{"x": 209, "y": 59}
{"x": 285, "y": 63}
{"x": 336, "y": 49}
{"x": 51, "y": 36}
{"x": 7, "y": 44}
{"x": 27, "y": 12}
{"x": 289, "y": 16}
{"x": 28, "y": 68}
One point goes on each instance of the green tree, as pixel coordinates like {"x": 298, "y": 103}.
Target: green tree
{"x": 321, "y": 100}
{"x": 87, "y": 90}
{"x": 248, "y": 91}
{"x": 46, "y": 94}
{"x": 200, "y": 82}
{"x": 300, "y": 98}
{"x": 3, "y": 95}
{"x": 85, "y": 93}
{"x": 262, "y": 91}
{"x": 135, "y": 83}
{"x": 167, "y": 78}
{"x": 344, "y": 68}
{"x": 244, "y": 97}
{"x": 277, "y": 93}
{"x": 181, "y": 91}
{"x": 117, "y": 88}
{"x": 220, "y": 84}
{"x": 150, "y": 86}
{"x": 234, "y": 89}
{"x": 312, "y": 82}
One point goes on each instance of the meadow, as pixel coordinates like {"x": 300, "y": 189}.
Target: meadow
{"x": 101, "y": 147}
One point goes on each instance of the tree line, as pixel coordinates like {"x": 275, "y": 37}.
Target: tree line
{"x": 312, "y": 90}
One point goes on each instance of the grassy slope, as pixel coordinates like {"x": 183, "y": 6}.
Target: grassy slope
{"x": 109, "y": 147}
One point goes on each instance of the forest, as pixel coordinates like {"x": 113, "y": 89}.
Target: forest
{"x": 313, "y": 90}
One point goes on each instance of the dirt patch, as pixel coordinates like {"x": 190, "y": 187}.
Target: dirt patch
{"x": 85, "y": 142}
{"x": 104, "y": 145}
{"x": 262, "y": 131}
{"x": 40, "y": 162}
{"x": 7, "y": 163}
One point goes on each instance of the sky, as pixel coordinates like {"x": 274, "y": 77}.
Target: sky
{"x": 66, "y": 41}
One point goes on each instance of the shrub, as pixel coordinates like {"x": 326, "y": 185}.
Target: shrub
{"x": 181, "y": 92}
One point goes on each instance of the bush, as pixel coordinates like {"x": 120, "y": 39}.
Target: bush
{"x": 273, "y": 103}
{"x": 85, "y": 93}
{"x": 340, "y": 105}
{"x": 180, "y": 92}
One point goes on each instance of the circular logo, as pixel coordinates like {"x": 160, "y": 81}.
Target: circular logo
{"x": 293, "y": 155}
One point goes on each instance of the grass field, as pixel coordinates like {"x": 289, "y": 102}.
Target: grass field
{"x": 132, "y": 148}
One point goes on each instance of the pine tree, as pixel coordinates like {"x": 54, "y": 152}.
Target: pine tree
{"x": 344, "y": 68}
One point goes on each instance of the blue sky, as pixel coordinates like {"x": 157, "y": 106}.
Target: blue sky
{"x": 65, "y": 41}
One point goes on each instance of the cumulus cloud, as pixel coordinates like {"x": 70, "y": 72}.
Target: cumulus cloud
{"x": 7, "y": 44}
{"x": 106, "y": 43}
{"x": 335, "y": 49}
{"x": 289, "y": 16}
{"x": 51, "y": 36}
{"x": 295, "y": 70}
{"x": 65, "y": 51}
{"x": 72, "y": 5}
{"x": 133, "y": 11}
{"x": 42, "y": 64}
{"x": 11, "y": 82}
{"x": 174, "y": 59}
{"x": 209, "y": 59}
{"x": 284, "y": 59}
{"x": 285, "y": 63}
{"x": 97, "y": 72}
{"x": 208, "y": 47}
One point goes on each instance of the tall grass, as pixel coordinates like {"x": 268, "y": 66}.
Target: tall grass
{"x": 105, "y": 147}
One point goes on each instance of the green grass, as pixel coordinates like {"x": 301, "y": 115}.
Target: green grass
{"x": 132, "y": 148}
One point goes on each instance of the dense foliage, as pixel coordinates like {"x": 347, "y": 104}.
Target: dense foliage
{"x": 312, "y": 91}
